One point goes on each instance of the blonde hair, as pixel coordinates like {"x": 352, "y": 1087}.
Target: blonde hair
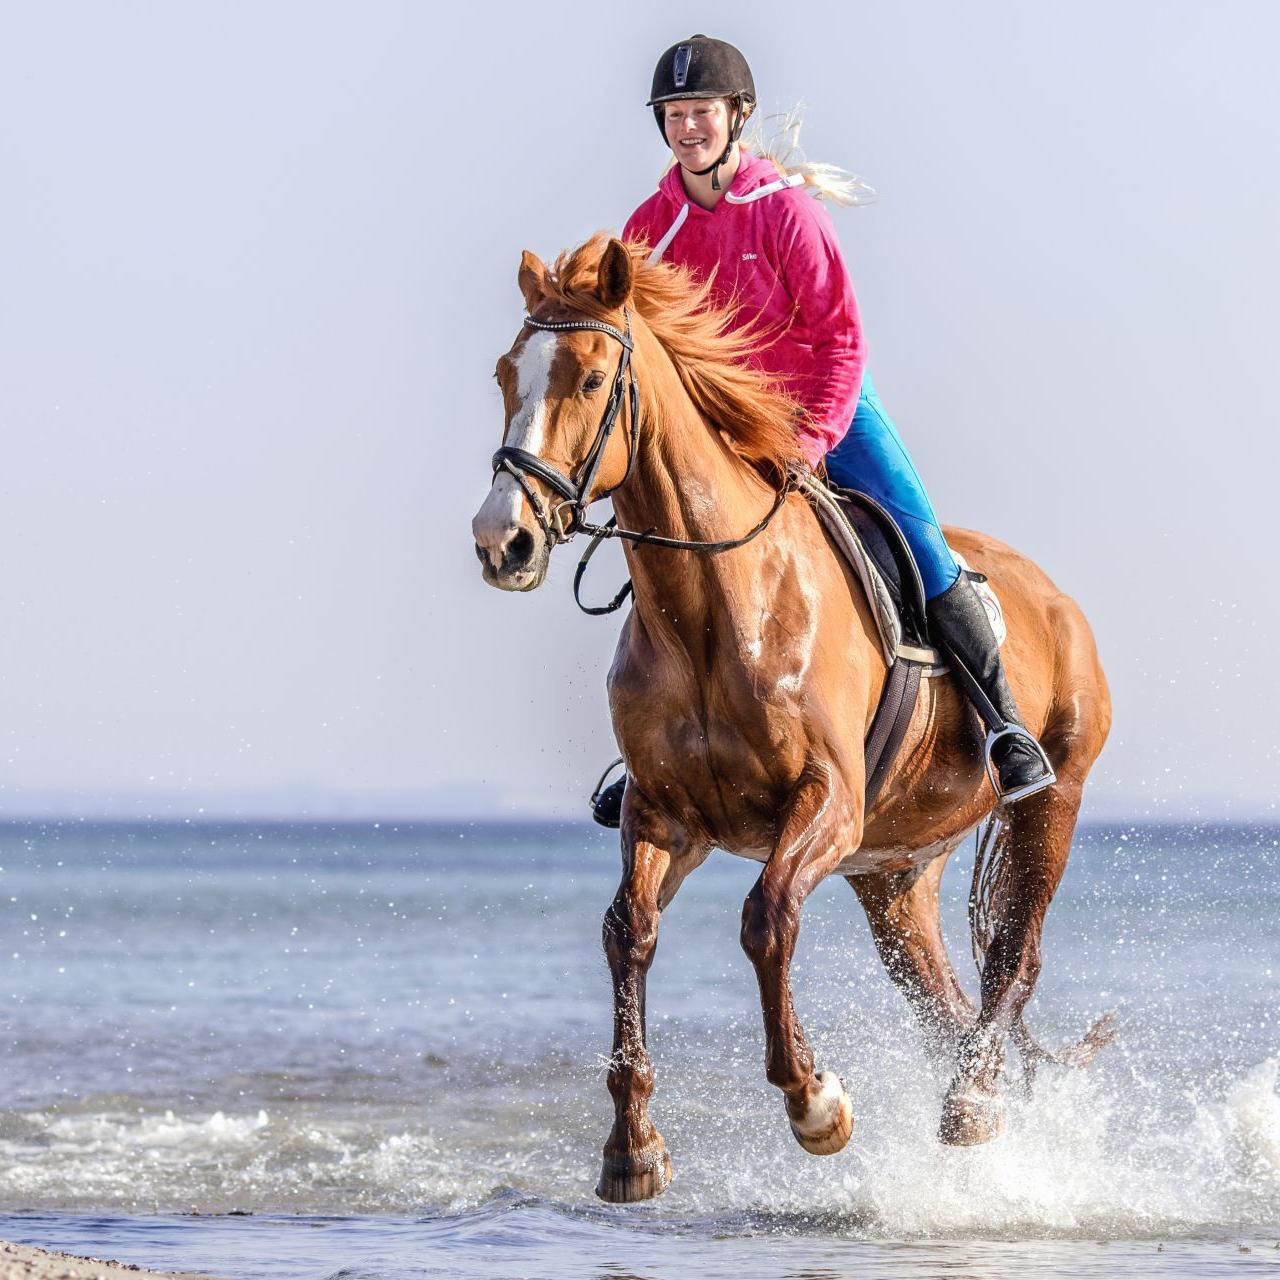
{"x": 777, "y": 138}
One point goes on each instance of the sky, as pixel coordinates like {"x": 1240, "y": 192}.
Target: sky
{"x": 257, "y": 262}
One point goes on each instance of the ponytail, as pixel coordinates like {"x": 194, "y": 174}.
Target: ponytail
{"x": 776, "y": 138}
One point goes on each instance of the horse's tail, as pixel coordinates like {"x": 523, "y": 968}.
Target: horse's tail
{"x": 987, "y": 892}
{"x": 987, "y": 895}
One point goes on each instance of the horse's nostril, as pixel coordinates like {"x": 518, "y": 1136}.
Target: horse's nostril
{"x": 520, "y": 548}
{"x": 481, "y": 554}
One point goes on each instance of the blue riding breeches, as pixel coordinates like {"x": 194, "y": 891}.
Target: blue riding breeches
{"x": 873, "y": 460}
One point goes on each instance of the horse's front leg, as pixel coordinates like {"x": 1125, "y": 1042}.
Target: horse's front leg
{"x": 656, "y": 857}
{"x": 821, "y": 827}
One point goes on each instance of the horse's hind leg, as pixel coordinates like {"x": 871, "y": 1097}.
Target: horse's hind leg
{"x": 902, "y": 909}
{"x": 815, "y": 835}
{"x": 1039, "y": 836}
{"x": 656, "y": 858}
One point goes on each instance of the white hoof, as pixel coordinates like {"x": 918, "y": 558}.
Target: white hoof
{"x": 827, "y": 1121}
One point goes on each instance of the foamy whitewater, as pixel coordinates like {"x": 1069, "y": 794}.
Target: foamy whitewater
{"x": 386, "y": 1045}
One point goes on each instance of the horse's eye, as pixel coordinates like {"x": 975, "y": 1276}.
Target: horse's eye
{"x": 594, "y": 381}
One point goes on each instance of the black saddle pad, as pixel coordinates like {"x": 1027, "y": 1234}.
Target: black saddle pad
{"x": 886, "y": 545}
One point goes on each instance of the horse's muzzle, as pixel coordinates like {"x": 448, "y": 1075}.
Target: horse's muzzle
{"x": 520, "y": 565}
{"x": 512, "y": 554}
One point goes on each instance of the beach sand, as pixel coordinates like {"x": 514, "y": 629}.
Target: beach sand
{"x": 21, "y": 1262}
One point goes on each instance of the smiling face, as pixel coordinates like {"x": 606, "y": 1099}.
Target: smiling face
{"x": 697, "y": 130}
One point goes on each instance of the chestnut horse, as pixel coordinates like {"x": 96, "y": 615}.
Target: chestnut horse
{"x": 744, "y": 684}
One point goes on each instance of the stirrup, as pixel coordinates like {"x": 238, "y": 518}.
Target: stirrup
{"x": 595, "y": 795}
{"x": 1047, "y": 779}
{"x": 600, "y": 790}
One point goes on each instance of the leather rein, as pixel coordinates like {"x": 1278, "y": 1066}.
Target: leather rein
{"x": 558, "y": 526}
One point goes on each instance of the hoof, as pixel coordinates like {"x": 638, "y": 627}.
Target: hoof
{"x": 971, "y": 1118}
{"x": 825, "y": 1126}
{"x": 643, "y": 1174}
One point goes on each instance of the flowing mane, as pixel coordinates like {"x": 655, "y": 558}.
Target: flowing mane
{"x": 712, "y": 359}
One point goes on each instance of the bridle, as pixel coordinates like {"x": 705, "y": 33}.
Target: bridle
{"x": 520, "y": 464}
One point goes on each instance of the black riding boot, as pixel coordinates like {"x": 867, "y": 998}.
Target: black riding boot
{"x": 606, "y": 802}
{"x": 960, "y": 624}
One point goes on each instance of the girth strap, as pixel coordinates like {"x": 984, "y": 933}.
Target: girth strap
{"x": 889, "y": 725}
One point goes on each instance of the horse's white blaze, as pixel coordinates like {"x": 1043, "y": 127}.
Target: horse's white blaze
{"x": 499, "y": 514}
{"x": 533, "y": 377}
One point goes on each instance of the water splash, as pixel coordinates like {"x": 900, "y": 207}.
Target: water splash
{"x": 1087, "y": 1154}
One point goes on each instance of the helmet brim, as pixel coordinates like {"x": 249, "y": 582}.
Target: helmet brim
{"x": 682, "y": 97}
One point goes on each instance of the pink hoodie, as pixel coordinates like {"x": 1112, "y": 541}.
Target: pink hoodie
{"x": 774, "y": 250}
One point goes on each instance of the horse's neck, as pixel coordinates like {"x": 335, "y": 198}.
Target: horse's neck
{"x": 688, "y": 484}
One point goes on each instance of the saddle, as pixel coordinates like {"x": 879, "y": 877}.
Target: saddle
{"x": 872, "y": 544}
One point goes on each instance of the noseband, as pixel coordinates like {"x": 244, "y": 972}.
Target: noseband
{"x": 520, "y": 464}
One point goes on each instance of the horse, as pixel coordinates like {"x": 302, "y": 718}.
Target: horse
{"x": 745, "y": 680}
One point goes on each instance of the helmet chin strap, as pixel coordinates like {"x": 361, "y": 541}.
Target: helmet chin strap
{"x": 735, "y": 132}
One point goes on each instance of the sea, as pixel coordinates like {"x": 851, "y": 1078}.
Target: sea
{"x": 377, "y": 1051}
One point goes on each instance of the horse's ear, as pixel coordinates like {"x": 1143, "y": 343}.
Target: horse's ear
{"x": 532, "y": 279}
{"x": 614, "y": 286}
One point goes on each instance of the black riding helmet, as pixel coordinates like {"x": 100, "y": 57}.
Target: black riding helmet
{"x": 701, "y": 67}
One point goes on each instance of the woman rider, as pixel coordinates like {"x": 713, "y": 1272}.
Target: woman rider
{"x": 773, "y": 250}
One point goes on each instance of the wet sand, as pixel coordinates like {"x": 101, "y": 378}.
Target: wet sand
{"x": 21, "y": 1262}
